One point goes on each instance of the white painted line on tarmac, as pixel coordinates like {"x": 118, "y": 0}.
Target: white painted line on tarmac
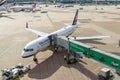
{"x": 7, "y": 49}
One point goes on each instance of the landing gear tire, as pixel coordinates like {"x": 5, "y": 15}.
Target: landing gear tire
{"x": 56, "y": 50}
{"x": 35, "y": 59}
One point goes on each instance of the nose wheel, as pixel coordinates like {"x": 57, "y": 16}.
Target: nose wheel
{"x": 35, "y": 59}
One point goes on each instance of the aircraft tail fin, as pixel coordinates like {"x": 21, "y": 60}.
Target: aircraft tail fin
{"x": 34, "y": 5}
{"x": 14, "y": 3}
{"x": 75, "y": 18}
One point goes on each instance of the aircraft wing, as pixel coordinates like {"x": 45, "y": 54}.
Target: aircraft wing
{"x": 89, "y": 38}
{"x": 37, "y": 32}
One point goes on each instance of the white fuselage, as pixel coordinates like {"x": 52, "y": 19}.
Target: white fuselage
{"x": 43, "y": 42}
{"x": 18, "y": 8}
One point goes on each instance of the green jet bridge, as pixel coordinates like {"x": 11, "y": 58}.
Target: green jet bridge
{"x": 108, "y": 59}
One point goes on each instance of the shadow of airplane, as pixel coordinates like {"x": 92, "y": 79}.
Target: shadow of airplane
{"x": 49, "y": 66}
{"x": 92, "y": 41}
{"x": 6, "y": 16}
{"x": 116, "y": 53}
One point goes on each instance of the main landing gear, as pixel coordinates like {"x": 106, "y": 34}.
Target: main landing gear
{"x": 35, "y": 59}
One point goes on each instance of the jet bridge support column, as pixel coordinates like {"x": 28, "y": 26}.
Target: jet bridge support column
{"x": 71, "y": 56}
{"x": 62, "y": 42}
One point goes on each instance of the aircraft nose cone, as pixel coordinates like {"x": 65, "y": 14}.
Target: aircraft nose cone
{"x": 26, "y": 54}
{"x": 23, "y": 55}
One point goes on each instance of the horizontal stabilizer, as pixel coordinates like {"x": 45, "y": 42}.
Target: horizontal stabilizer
{"x": 89, "y": 38}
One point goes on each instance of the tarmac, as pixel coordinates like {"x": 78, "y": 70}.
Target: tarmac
{"x": 51, "y": 66}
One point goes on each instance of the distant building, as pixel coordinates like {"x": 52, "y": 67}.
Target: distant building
{"x": 74, "y": 1}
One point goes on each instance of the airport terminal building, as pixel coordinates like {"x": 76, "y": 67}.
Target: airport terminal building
{"x": 74, "y": 1}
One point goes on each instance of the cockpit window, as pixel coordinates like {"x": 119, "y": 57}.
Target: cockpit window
{"x": 26, "y": 50}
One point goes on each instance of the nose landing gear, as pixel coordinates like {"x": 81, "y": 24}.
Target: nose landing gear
{"x": 35, "y": 59}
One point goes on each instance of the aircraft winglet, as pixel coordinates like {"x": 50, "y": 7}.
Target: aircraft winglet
{"x": 26, "y": 24}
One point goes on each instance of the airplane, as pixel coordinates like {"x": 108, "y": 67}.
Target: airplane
{"x": 5, "y": 16}
{"x": 42, "y": 43}
{"x": 2, "y": 2}
{"x": 7, "y": 6}
{"x": 18, "y": 8}
{"x": 68, "y": 5}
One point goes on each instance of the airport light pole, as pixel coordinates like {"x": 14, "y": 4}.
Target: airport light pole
{"x": 96, "y": 4}
{"x": 115, "y": 2}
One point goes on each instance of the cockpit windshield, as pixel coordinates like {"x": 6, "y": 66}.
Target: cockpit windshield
{"x": 26, "y": 50}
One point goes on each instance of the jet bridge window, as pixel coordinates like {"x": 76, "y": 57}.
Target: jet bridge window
{"x": 102, "y": 59}
{"x": 26, "y": 50}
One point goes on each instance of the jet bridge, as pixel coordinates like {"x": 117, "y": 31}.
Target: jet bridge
{"x": 108, "y": 59}
{"x": 62, "y": 43}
